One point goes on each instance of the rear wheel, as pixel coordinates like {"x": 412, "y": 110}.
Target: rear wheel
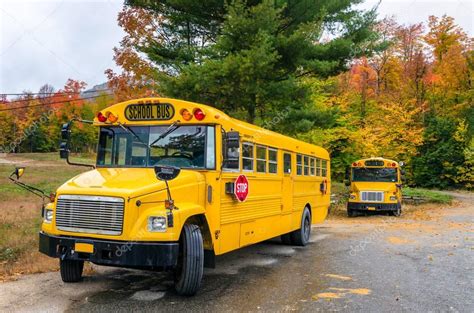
{"x": 189, "y": 271}
{"x": 71, "y": 270}
{"x": 300, "y": 237}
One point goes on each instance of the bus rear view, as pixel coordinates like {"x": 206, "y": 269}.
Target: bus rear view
{"x": 375, "y": 185}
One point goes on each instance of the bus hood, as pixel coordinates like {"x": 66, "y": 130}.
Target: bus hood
{"x": 124, "y": 182}
{"x": 373, "y": 186}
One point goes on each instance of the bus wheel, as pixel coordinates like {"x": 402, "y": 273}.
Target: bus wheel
{"x": 398, "y": 211}
{"x": 300, "y": 237}
{"x": 71, "y": 270}
{"x": 188, "y": 273}
{"x": 351, "y": 213}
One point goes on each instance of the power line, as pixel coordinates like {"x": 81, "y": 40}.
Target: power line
{"x": 45, "y": 104}
{"x": 49, "y": 97}
{"x": 52, "y": 93}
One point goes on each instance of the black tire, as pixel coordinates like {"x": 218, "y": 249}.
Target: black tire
{"x": 71, "y": 270}
{"x": 300, "y": 237}
{"x": 190, "y": 268}
{"x": 286, "y": 239}
{"x": 351, "y": 213}
{"x": 398, "y": 211}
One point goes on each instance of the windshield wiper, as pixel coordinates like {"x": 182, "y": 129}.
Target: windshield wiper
{"x": 168, "y": 131}
{"x": 130, "y": 131}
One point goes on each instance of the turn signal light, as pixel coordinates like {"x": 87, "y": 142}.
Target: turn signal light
{"x": 354, "y": 164}
{"x": 187, "y": 116}
{"x": 199, "y": 114}
{"x": 101, "y": 117}
{"x": 111, "y": 117}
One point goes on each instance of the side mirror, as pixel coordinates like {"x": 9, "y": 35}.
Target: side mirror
{"x": 401, "y": 163}
{"x": 402, "y": 172}
{"x": 232, "y": 140}
{"x": 66, "y": 131}
{"x": 347, "y": 182}
{"x": 166, "y": 173}
{"x": 231, "y": 149}
{"x": 63, "y": 150}
{"x": 18, "y": 172}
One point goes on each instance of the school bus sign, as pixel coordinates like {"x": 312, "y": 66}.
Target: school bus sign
{"x": 241, "y": 188}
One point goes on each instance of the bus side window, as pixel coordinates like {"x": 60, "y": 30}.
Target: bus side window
{"x": 287, "y": 163}
{"x": 306, "y": 165}
{"x": 318, "y": 167}
{"x": 272, "y": 161}
{"x": 324, "y": 169}
{"x": 299, "y": 164}
{"x": 247, "y": 156}
{"x": 261, "y": 159}
{"x": 311, "y": 166}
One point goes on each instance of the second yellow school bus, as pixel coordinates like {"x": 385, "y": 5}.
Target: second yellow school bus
{"x": 231, "y": 184}
{"x": 375, "y": 185}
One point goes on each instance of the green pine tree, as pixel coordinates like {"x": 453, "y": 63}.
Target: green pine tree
{"x": 249, "y": 57}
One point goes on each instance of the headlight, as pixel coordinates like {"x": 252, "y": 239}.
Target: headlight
{"x": 352, "y": 197}
{"x": 393, "y": 198}
{"x": 157, "y": 223}
{"x": 48, "y": 216}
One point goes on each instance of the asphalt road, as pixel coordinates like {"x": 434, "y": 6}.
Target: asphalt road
{"x": 420, "y": 262}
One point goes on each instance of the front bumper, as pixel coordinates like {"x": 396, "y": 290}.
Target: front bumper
{"x": 150, "y": 255}
{"x": 371, "y": 206}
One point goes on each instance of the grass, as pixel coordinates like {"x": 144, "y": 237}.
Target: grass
{"x": 432, "y": 196}
{"x": 20, "y": 211}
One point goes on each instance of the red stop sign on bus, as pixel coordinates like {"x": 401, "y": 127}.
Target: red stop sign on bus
{"x": 241, "y": 188}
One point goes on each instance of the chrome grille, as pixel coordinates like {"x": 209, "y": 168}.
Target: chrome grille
{"x": 372, "y": 196}
{"x": 90, "y": 214}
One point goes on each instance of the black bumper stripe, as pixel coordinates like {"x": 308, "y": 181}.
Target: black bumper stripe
{"x": 360, "y": 206}
{"x": 162, "y": 255}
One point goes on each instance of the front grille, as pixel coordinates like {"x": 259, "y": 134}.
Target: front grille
{"x": 373, "y": 196}
{"x": 90, "y": 214}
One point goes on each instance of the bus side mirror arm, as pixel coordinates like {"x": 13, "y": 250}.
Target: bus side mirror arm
{"x": 66, "y": 141}
{"x": 15, "y": 178}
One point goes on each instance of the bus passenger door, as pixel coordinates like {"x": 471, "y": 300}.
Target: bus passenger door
{"x": 287, "y": 184}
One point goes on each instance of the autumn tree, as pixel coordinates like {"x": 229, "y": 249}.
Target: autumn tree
{"x": 137, "y": 76}
{"x": 248, "y": 58}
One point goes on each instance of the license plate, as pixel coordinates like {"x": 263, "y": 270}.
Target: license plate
{"x": 84, "y": 247}
{"x": 371, "y": 208}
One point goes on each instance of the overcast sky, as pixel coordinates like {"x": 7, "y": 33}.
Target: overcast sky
{"x": 51, "y": 41}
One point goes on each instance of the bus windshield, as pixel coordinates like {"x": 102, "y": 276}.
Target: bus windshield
{"x": 374, "y": 174}
{"x": 147, "y": 146}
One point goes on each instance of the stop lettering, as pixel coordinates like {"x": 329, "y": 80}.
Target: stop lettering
{"x": 241, "y": 188}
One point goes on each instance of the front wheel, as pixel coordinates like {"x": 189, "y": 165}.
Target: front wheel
{"x": 71, "y": 270}
{"x": 190, "y": 268}
{"x": 351, "y": 213}
{"x": 398, "y": 211}
{"x": 300, "y": 237}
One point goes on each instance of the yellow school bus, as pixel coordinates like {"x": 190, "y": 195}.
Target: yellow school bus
{"x": 375, "y": 185}
{"x": 177, "y": 183}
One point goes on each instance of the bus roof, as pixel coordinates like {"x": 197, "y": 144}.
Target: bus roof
{"x": 164, "y": 111}
{"x": 385, "y": 161}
